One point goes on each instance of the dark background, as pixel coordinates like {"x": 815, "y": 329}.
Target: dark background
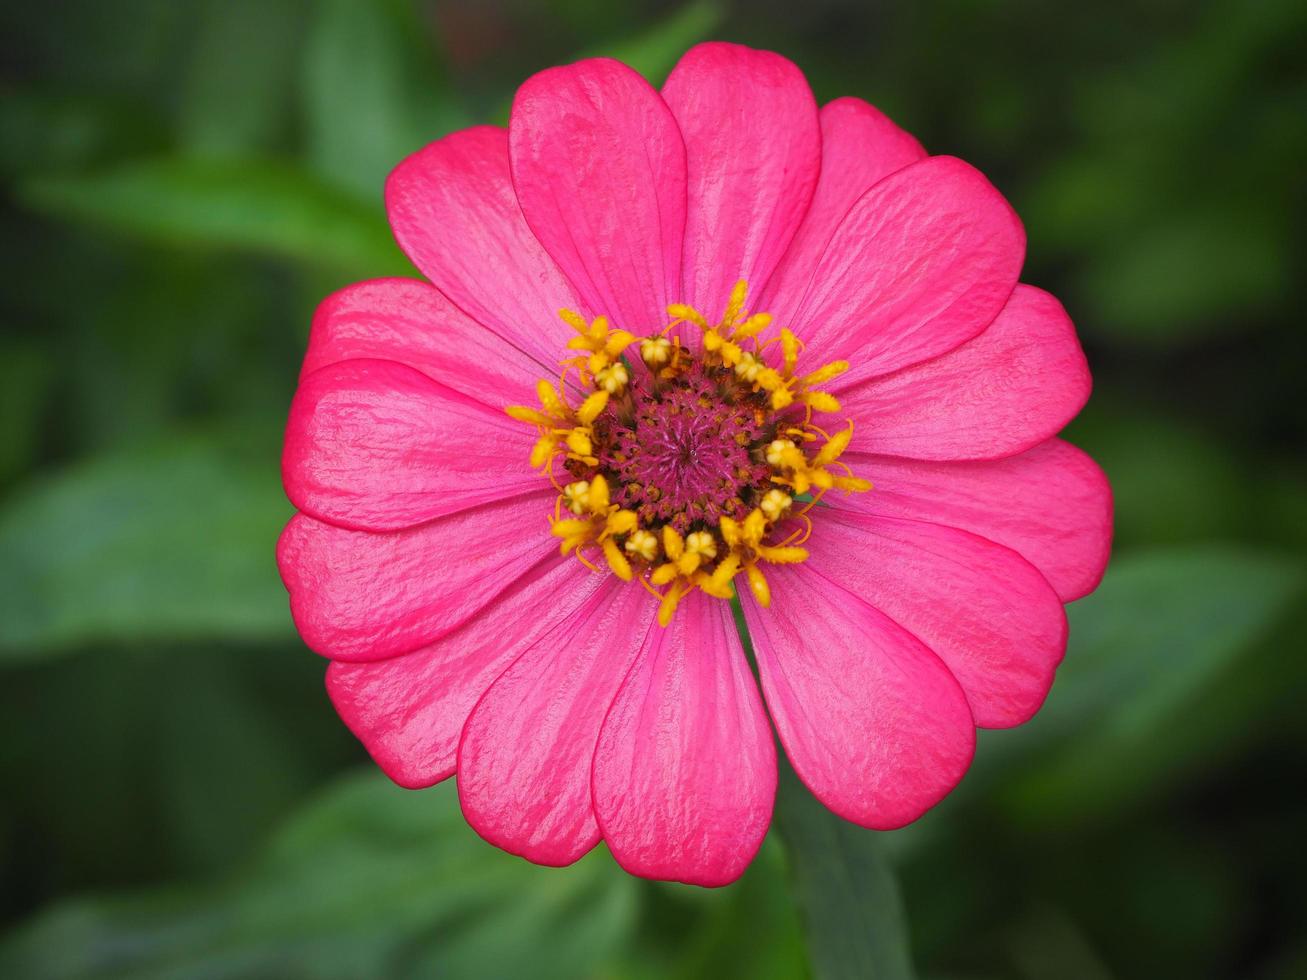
{"x": 182, "y": 181}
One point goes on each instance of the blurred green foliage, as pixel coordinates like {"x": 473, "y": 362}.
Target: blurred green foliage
{"x": 182, "y": 181}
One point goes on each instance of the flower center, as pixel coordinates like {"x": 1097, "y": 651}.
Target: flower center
{"x": 694, "y": 467}
{"x": 686, "y": 450}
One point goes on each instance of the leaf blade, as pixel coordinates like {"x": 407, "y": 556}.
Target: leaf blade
{"x": 849, "y": 898}
{"x": 252, "y": 205}
{"x": 369, "y": 880}
{"x": 172, "y": 540}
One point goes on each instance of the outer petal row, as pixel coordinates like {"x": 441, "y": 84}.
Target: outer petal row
{"x": 873, "y": 722}
{"x": 1009, "y": 389}
{"x": 922, "y": 262}
{"x": 525, "y": 756}
{"x": 1051, "y": 504}
{"x": 642, "y": 200}
{"x": 360, "y": 595}
{"x": 380, "y": 446}
{"x": 685, "y": 770}
{"x": 412, "y": 323}
{"x": 659, "y": 743}
{"x": 409, "y": 711}
{"x": 454, "y": 211}
{"x": 985, "y": 611}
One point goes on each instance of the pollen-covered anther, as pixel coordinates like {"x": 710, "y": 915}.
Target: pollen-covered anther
{"x": 655, "y": 351}
{"x": 721, "y": 342}
{"x": 642, "y": 544}
{"x": 577, "y": 496}
{"x": 684, "y": 555}
{"x": 748, "y": 367}
{"x": 613, "y": 378}
{"x": 774, "y": 504}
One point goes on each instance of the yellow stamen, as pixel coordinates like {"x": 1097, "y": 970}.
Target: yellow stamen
{"x": 748, "y": 367}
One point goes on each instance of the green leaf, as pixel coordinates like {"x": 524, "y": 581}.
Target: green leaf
{"x": 1155, "y": 462}
{"x": 47, "y": 132}
{"x": 175, "y": 540}
{"x": 371, "y": 92}
{"x": 369, "y": 881}
{"x": 193, "y": 754}
{"x": 689, "y": 932}
{"x": 240, "y": 77}
{"x": 1162, "y": 629}
{"x": 258, "y": 206}
{"x": 26, "y": 373}
{"x": 849, "y": 898}
{"x": 1210, "y": 271}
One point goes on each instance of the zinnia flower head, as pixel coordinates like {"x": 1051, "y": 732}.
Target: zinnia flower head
{"x": 679, "y": 346}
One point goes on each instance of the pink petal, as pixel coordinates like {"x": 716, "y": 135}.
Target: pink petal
{"x": 859, "y": 147}
{"x": 599, "y": 168}
{"x": 1011, "y": 388}
{"x": 983, "y": 609}
{"x": 874, "y": 724}
{"x": 524, "y": 760}
{"x": 1051, "y": 504}
{"x": 411, "y": 322}
{"x": 923, "y": 262}
{"x": 409, "y": 711}
{"x": 359, "y": 595}
{"x": 454, "y": 212}
{"x": 685, "y": 770}
{"x": 753, "y": 149}
{"x": 378, "y": 446}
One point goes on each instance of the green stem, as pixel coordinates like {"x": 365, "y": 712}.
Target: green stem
{"x": 846, "y": 891}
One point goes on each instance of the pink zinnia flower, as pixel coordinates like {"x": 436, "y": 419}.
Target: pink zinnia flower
{"x": 520, "y": 571}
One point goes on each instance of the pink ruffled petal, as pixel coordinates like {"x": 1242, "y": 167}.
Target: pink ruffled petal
{"x": 923, "y": 262}
{"x": 524, "y": 759}
{"x": 983, "y": 609}
{"x": 873, "y": 722}
{"x": 599, "y": 168}
{"x": 455, "y": 214}
{"x": 859, "y": 147}
{"x": 753, "y": 150}
{"x": 409, "y": 711}
{"x": 360, "y": 595}
{"x": 685, "y": 769}
{"x": 410, "y": 322}
{"x": 379, "y": 446}
{"x": 1051, "y": 504}
{"x": 1011, "y": 388}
